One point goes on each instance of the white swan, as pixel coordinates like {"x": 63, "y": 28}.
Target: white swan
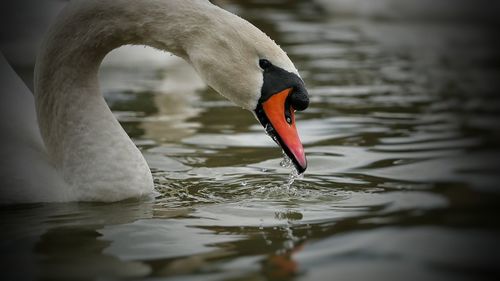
{"x": 85, "y": 154}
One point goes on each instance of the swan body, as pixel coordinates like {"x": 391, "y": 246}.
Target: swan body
{"x": 24, "y": 168}
{"x": 86, "y": 155}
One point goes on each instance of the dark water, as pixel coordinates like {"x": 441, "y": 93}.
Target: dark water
{"x": 402, "y": 181}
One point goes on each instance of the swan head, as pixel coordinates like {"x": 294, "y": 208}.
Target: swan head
{"x": 247, "y": 67}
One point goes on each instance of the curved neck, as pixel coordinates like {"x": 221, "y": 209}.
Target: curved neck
{"x": 70, "y": 107}
{"x": 84, "y": 141}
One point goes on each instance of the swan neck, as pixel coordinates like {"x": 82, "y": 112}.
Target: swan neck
{"x": 83, "y": 139}
{"x": 66, "y": 74}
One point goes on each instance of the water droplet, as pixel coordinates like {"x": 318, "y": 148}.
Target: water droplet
{"x": 286, "y": 162}
{"x": 294, "y": 174}
{"x": 269, "y": 131}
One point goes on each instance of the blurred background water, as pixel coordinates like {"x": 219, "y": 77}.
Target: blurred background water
{"x": 401, "y": 138}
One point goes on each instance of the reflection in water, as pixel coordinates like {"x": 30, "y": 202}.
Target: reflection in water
{"x": 401, "y": 140}
{"x": 70, "y": 251}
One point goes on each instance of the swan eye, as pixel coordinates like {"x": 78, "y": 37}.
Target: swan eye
{"x": 265, "y": 64}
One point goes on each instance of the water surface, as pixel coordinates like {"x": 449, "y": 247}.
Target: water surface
{"x": 402, "y": 184}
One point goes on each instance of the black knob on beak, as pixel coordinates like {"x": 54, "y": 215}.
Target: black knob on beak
{"x": 299, "y": 98}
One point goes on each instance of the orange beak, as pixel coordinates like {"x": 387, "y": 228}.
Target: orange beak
{"x": 281, "y": 116}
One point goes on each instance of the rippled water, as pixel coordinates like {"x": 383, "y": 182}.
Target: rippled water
{"x": 402, "y": 184}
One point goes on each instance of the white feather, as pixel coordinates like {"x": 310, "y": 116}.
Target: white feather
{"x": 86, "y": 155}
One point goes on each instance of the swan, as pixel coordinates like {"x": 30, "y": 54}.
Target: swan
{"x": 74, "y": 149}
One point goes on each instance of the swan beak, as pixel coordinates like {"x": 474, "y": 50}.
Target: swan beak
{"x": 280, "y": 125}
